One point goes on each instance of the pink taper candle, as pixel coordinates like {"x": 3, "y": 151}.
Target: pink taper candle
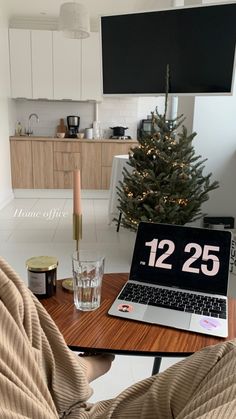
{"x": 77, "y": 192}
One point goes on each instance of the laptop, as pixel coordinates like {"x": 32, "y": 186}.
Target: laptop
{"x": 178, "y": 278}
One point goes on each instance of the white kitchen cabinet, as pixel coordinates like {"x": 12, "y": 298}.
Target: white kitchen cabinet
{"x": 91, "y": 87}
{"x": 42, "y": 64}
{"x": 66, "y": 67}
{"x": 46, "y": 65}
{"x": 20, "y": 63}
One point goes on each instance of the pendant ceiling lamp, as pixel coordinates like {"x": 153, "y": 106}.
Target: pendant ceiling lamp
{"x": 74, "y": 20}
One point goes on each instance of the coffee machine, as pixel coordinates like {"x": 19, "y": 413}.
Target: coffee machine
{"x": 73, "y": 125}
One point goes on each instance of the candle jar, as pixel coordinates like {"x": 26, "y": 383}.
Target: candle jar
{"x": 42, "y": 275}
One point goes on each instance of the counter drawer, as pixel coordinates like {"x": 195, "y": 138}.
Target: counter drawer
{"x": 67, "y": 146}
{"x": 63, "y": 180}
{"x": 66, "y": 161}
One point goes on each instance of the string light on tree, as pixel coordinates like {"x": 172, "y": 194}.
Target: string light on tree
{"x": 167, "y": 184}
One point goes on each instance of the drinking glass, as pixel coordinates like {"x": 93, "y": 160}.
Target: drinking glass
{"x": 88, "y": 270}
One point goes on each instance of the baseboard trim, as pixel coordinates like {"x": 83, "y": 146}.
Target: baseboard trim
{"x": 60, "y": 193}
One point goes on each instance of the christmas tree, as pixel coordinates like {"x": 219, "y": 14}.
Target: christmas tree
{"x": 165, "y": 182}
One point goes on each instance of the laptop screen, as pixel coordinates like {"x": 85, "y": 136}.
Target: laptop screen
{"x": 191, "y": 258}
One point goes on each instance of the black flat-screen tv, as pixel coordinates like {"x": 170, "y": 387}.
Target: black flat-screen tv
{"x": 198, "y": 44}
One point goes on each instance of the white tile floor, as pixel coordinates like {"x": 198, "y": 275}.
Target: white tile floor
{"x": 32, "y": 227}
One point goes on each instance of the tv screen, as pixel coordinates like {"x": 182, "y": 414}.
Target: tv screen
{"x": 198, "y": 44}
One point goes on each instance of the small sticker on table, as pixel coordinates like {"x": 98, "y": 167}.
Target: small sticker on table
{"x": 210, "y": 323}
{"x": 126, "y": 308}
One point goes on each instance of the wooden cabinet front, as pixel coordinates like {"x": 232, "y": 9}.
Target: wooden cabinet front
{"x": 91, "y": 166}
{"x": 106, "y": 177}
{"x": 42, "y": 157}
{"x": 66, "y": 159}
{"x": 39, "y": 163}
{"x": 63, "y": 180}
{"x": 109, "y": 150}
{"x": 21, "y": 164}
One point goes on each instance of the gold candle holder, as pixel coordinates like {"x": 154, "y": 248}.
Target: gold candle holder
{"x": 77, "y": 228}
{"x": 77, "y": 235}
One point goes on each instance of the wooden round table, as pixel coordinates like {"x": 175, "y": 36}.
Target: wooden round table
{"x": 98, "y": 331}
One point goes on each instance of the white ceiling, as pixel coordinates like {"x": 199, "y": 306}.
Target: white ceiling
{"x": 50, "y": 8}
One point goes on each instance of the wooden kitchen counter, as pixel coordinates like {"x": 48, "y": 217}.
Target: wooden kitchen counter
{"x": 48, "y": 162}
{"x": 74, "y": 140}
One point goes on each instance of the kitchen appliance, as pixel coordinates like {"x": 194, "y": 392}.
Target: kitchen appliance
{"x": 118, "y": 137}
{"x": 73, "y": 125}
{"x": 146, "y": 126}
{"x": 119, "y": 133}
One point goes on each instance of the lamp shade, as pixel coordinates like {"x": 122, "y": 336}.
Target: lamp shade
{"x": 74, "y": 20}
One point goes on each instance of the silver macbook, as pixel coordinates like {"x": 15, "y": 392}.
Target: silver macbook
{"x": 178, "y": 278}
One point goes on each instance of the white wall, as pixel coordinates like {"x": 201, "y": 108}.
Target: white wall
{"x": 125, "y": 112}
{"x": 49, "y": 113}
{"x": 214, "y": 122}
{"x": 5, "y": 174}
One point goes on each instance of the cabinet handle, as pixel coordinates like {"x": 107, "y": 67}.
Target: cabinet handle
{"x": 41, "y": 98}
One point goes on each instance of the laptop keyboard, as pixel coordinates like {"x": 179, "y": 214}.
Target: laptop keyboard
{"x": 175, "y": 300}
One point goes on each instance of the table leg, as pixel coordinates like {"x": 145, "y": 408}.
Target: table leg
{"x": 156, "y": 365}
{"x": 119, "y": 220}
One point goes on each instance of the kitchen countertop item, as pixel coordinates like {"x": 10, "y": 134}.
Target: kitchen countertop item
{"x": 89, "y": 133}
{"x": 73, "y": 122}
{"x": 125, "y": 137}
{"x": 61, "y": 128}
{"x": 119, "y": 131}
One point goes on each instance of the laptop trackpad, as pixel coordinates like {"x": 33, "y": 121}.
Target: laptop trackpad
{"x": 165, "y": 317}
